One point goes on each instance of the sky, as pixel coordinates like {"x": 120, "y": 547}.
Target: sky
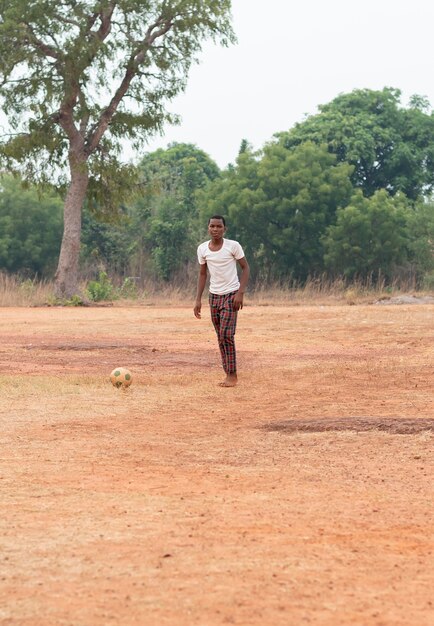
{"x": 293, "y": 55}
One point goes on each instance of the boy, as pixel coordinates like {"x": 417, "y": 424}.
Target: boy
{"x": 226, "y": 291}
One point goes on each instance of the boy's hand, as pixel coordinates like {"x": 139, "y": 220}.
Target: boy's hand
{"x": 197, "y": 308}
{"x": 238, "y": 301}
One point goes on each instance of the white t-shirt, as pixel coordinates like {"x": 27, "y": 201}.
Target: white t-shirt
{"x": 222, "y": 265}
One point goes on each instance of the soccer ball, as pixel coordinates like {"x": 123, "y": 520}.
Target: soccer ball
{"x": 121, "y": 377}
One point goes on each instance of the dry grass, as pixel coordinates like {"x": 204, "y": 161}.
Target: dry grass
{"x": 325, "y": 290}
{"x": 17, "y": 292}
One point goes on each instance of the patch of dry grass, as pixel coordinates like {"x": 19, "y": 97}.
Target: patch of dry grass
{"x": 17, "y": 292}
{"x": 315, "y": 291}
{"x": 324, "y": 290}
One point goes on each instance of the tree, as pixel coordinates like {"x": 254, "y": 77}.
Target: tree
{"x": 304, "y": 187}
{"x": 233, "y": 195}
{"x": 79, "y": 77}
{"x": 167, "y": 212}
{"x": 30, "y": 229}
{"x": 106, "y": 246}
{"x": 390, "y": 147}
{"x": 157, "y": 233}
{"x": 370, "y": 236}
{"x": 279, "y": 205}
{"x": 420, "y": 227}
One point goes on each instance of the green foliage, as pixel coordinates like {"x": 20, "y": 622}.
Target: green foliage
{"x": 129, "y": 289}
{"x": 96, "y": 73}
{"x": 107, "y": 244}
{"x": 111, "y": 186}
{"x": 230, "y": 192}
{"x": 74, "y": 300}
{"x": 343, "y": 192}
{"x": 30, "y": 228}
{"x": 428, "y": 281}
{"x": 158, "y": 232}
{"x": 390, "y": 147}
{"x": 420, "y": 228}
{"x": 167, "y": 213}
{"x": 79, "y": 78}
{"x": 168, "y": 240}
{"x": 101, "y": 289}
{"x": 280, "y": 204}
{"x": 369, "y": 237}
{"x": 303, "y": 189}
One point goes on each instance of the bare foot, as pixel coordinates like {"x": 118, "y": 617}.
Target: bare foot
{"x": 230, "y": 381}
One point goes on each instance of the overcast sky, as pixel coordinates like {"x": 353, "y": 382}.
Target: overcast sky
{"x": 293, "y": 55}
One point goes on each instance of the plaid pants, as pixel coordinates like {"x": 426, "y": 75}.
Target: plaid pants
{"x": 224, "y": 319}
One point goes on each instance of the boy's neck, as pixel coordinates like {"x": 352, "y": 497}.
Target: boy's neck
{"x": 216, "y": 243}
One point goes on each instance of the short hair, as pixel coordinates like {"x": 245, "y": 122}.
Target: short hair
{"x": 217, "y": 217}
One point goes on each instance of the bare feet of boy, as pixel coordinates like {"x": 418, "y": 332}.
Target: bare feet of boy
{"x": 230, "y": 381}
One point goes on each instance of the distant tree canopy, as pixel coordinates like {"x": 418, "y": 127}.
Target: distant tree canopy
{"x": 390, "y": 147}
{"x": 346, "y": 193}
{"x": 30, "y": 229}
{"x": 343, "y": 192}
{"x": 280, "y": 206}
{"x": 167, "y": 213}
{"x": 158, "y": 233}
{"x": 369, "y": 236}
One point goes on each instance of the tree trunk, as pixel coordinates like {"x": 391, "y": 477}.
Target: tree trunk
{"x": 66, "y": 278}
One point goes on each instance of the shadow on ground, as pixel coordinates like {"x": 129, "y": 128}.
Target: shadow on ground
{"x": 392, "y": 425}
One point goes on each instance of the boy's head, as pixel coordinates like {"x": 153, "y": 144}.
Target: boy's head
{"x": 216, "y": 226}
{"x": 217, "y": 217}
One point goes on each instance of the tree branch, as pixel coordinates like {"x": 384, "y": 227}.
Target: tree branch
{"x": 105, "y": 25}
{"x": 46, "y": 49}
{"x": 137, "y": 57}
{"x": 66, "y": 20}
{"x": 73, "y": 94}
{"x": 150, "y": 37}
{"x": 85, "y": 117}
{"x": 65, "y": 114}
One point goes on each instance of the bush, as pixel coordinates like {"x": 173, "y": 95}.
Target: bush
{"x": 428, "y": 281}
{"x": 101, "y": 289}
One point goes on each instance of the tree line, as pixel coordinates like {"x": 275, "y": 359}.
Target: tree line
{"x": 346, "y": 192}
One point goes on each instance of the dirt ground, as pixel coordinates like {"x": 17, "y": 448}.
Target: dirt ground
{"x": 303, "y": 496}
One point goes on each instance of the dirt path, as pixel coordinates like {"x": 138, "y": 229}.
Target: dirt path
{"x": 303, "y": 496}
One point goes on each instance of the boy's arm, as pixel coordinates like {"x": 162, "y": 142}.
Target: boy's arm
{"x": 245, "y": 273}
{"x": 201, "y": 282}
